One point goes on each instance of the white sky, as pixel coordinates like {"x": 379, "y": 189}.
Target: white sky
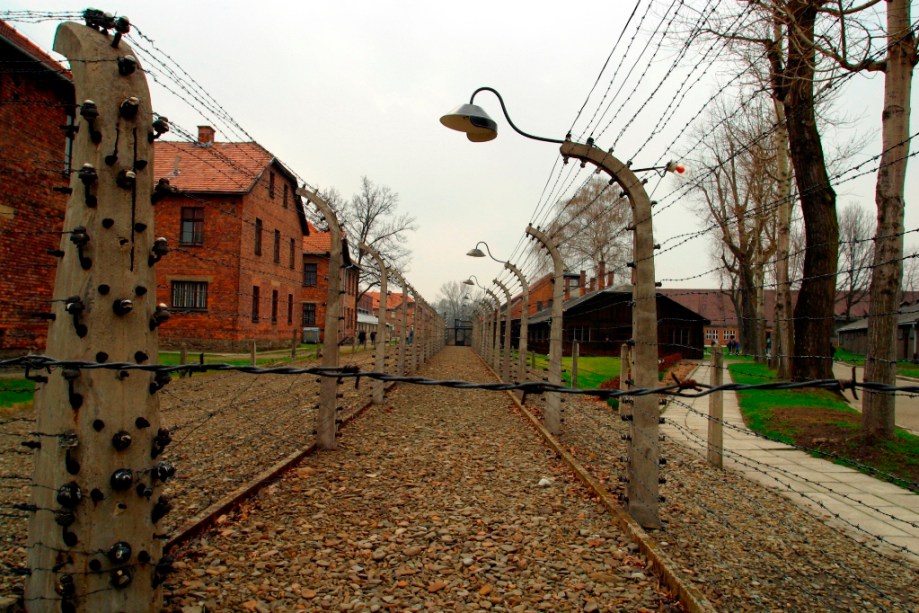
{"x": 348, "y": 88}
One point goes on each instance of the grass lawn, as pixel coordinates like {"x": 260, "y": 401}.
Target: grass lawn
{"x": 592, "y": 370}
{"x": 905, "y": 368}
{"x": 16, "y": 391}
{"x": 821, "y": 420}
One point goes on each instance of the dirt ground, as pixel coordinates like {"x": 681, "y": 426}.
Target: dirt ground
{"x": 838, "y": 433}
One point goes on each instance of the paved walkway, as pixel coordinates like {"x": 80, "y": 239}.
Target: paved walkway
{"x": 870, "y": 508}
{"x": 907, "y": 416}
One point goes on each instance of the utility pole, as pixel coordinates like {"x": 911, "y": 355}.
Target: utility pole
{"x": 97, "y": 473}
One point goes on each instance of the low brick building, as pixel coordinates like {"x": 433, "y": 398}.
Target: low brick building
{"x": 235, "y": 228}
{"x": 36, "y": 102}
{"x": 394, "y": 301}
{"x": 314, "y": 291}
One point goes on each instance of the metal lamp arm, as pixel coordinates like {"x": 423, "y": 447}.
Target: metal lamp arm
{"x": 508, "y": 117}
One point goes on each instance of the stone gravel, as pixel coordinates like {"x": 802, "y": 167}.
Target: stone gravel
{"x": 433, "y": 502}
{"x": 441, "y": 499}
{"x": 746, "y": 547}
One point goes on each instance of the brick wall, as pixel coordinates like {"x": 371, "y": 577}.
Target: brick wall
{"x": 227, "y": 261}
{"x": 34, "y": 103}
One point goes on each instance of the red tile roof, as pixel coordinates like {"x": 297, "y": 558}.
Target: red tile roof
{"x": 16, "y": 39}
{"x": 394, "y": 300}
{"x": 215, "y": 168}
{"x": 317, "y": 242}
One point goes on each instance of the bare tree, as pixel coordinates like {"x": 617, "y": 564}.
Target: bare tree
{"x": 372, "y": 217}
{"x": 910, "y": 284}
{"x": 739, "y": 194}
{"x": 878, "y": 414}
{"x": 453, "y": 301}
{"x": 591, "y": 227}
{"x": 856, "y": 250}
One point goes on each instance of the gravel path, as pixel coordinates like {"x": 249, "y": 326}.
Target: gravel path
{"x": 744, "y": 546}
{"x": 227, "y": 428}
{"x": 442, "y": 500}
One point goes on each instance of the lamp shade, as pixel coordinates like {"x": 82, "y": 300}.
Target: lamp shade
{"x": 473, "y": 120}
{"x": 476, "y": 253}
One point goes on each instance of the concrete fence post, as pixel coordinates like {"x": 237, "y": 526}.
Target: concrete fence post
{"x": 379, "y": 345}
{"x": 575, "y": 353}
{"x": 644, "y": 452}
{"x": 553, "y": 400}
{"x": 98, "y": 473}
{"x": 326, "y": 427}
{"x": 716, "y": 412}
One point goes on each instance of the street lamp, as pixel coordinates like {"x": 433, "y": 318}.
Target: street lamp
{"x": 644, "y": 452}
{"x": 475, "y": 252}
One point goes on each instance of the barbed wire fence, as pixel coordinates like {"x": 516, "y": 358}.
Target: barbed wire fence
{"x": 220, "y": 432}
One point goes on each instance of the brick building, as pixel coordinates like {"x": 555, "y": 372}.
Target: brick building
{"x": 36, "y": 101}
{"x": 394, "y": 302}
{"x": 235, "y": 228}
{"x": 314, "y": 291}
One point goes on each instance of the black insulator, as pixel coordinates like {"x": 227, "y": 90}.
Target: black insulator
{"x": 64, "y": 517}
{"x": 163, "y": 471}
{"x": 129, "y": 107}
{"x": 119, "y": 553}
{"x": 160, "y": 508}
{"x": 121, "y": 577}
{"x": 121, "y": 440}
{"x": 127, "y": 65}
{"x": 69, "y": 495}
{"x": 122, "y": 479}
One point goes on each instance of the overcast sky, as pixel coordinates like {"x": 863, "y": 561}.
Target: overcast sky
{"x": 342, "y": 89}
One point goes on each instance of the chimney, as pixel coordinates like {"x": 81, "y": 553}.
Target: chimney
{"x": 582, "y": 283}
{"x": 593, "y": 283}
{"x": 205, "y": 135}
{"x": 610, "y": 278}
{"x": 601, "y": 273}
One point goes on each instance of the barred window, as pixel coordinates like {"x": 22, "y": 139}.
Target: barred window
{"x": 255, "y": 301}
{"x": 309, "y": 275}
{"x": 258, "y": 236}
{"x": 189, "y": 295}
{"x": 277, "y": 246}
{"x": 309, "y": 314}
{"x": 274, "y": 306}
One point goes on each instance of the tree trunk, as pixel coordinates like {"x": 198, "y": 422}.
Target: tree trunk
{"x": 783, "y": 341}
{"x": 813, "y": 323}
{"x": 748, "y": 336}
{"x": 880, "y": 363}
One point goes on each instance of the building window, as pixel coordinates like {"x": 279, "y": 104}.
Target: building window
{"x": 286, "y": 190}
{"x": 192, "y": 232}
{"x": 258, "y": 236}
{"x": 290, "y": 309}
{"x": 711, "y": 334}
{"x": 309, "y": 314}
{"x": 274, "y": 306}
{"x": 277, "y": 246}
{"x": 293, "y": 247}
{"x": 255, "y": 297}
{"x": 271, "y": 185}
{"x": 538, "y": 305}
{"x": 309, "y": 275}
{"x": 189, "y": 295}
